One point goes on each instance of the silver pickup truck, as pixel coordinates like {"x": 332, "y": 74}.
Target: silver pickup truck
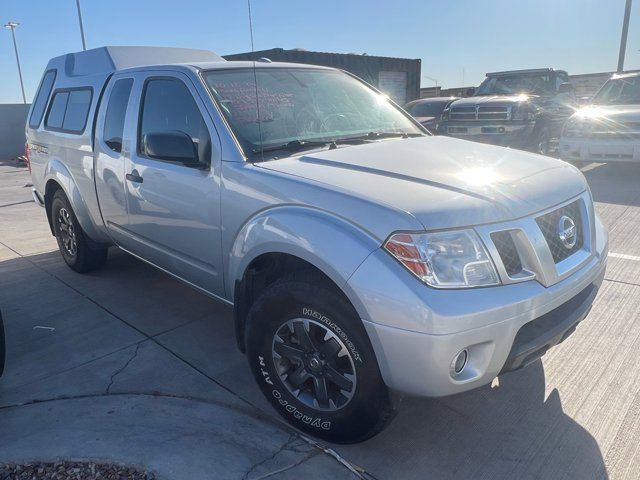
{"x": 364, "y": 258}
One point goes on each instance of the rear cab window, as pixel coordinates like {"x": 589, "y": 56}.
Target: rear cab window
{"x": 69, "y": 110}
{"x": 116, "y": 112}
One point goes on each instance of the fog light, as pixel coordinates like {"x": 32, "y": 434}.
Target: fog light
{"x": 459, "y": 362}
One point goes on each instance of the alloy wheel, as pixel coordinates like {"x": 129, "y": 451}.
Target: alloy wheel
{"x": 67, "y": 232}
{"x": 314, "y": 364}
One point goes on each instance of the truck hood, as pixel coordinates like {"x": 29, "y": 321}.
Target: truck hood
{"x": 424, "y": 120}
{"x": 443, "y": 182}
{"x": 490, "y": 100}
{"x": 614, "y": 116}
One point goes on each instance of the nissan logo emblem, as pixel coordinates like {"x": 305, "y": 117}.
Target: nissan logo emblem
{"x": 567, "y": 232}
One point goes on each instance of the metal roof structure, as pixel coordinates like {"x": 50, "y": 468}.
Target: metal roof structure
{"x": 530, "y": 71}
{"x": 104, "y": 60}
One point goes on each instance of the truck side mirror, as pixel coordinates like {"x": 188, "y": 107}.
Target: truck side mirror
{"x": 470, "y": 92}
{"x": 173, "y": 146}
{"x": 565, "y": 87}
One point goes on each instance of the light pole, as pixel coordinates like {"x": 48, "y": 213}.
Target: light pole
{"x": 12, "y": 26}
{"x": 623, "y": 39}
{"x": 84, "y": 43}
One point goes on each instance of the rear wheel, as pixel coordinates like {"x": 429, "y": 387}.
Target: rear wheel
{"x": 313, "y": 361}
{"x": 78, "y": 251}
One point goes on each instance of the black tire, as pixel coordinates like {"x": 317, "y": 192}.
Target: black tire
{"x": 542, "y": 141}
{"x": 307, "y": 299}
{"x": 3, "y": 347}
{"x": 78, "y": 251}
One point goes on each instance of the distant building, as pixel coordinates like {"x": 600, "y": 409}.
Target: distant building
{"x": 397, "y": 77}
{"x": 429, "y": 92}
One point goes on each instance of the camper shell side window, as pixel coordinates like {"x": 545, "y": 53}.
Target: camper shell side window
{"x": 42, "y": 97}
{"x": 69, "y": 110}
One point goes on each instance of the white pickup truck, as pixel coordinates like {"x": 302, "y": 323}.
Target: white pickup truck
{"x": 364, "y": 258}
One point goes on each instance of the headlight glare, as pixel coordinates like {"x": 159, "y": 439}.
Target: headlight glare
{"x": 522, "y": 112}
{"x": 448, "y": 259}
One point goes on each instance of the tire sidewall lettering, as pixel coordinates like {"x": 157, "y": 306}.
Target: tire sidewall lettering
{"x": 290, "y": 408}
{"x": 314, "y": 314}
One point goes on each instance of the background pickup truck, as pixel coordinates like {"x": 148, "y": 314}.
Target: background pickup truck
{"x": 524, "y": 109}
{"x": 364, "y": 258}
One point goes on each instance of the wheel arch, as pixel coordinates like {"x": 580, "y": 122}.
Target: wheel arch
{"x": 276, "y": 243}
{"x": 58, "y": 177}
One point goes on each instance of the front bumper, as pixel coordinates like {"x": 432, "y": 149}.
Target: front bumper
{"x": 536, "y": 337}
{"x": 416, "y": 331}
{"x": 507, "y": 134}
{"x": 593, "y": 150}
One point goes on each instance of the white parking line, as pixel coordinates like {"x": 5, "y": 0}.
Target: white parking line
{"x": 624, "y": 256}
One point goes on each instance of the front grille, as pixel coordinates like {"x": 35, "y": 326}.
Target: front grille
{"x": 463, "y": 113}
{"x": 482, "y": 112}
{"x": 493, "y": 113}
{"x": 618, "y": 131}
{"x": 506, "y": 247}
{"x": 617, "y": 135}
{"x": 549, "y": 225}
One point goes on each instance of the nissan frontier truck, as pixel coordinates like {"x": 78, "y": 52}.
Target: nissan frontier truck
{"x": 364, "y": 258}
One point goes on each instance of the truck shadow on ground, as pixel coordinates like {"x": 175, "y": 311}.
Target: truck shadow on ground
{"x": 517, "y": 430}
{"x": 510, "y": 431}
{"x": 624, "y": 178}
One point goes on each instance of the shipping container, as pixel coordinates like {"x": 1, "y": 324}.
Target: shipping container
{"x": 397, "y": 77}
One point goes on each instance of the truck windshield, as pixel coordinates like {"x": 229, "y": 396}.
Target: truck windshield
{"x": 428, "y": 109}
{"x": 302, "y": 107}
{"x": 619, "y": 91}
{"x": 514, "y": 85}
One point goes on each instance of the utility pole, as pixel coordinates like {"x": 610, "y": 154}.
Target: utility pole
{"x": 84, "y": 43}
{"x": 12, "y": 26}
{"x": 623, "y": 39}
{"x": 434, "y": 80}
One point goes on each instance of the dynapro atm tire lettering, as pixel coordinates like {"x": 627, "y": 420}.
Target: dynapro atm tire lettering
{"x": 297, "y": 414}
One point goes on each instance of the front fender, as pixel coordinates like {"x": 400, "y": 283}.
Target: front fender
{"x": 330, "y": 243}
{"x": 56, "y": 171}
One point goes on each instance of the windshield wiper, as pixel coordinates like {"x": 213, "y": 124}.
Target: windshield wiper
{"x": 297, "y": 145}
{"x": 372, "y": 136}
{"x": 292, "y": 146}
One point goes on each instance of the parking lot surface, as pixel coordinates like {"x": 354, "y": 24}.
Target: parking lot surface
{"x": 128, "y": 365}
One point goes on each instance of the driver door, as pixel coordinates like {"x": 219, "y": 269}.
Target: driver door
{"x": 174, "y": 208}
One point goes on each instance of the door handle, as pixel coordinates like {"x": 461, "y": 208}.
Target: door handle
{"x": 134, "y": 177}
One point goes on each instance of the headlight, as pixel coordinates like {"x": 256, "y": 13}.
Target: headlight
{"x": 576, "y": 127}
{"x": 448, "y": 259}
{"x": 522, "y": 112}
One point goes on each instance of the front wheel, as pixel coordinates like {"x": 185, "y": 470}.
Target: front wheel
{"x": 77, "y": 250}
{"x": 313, "y": 361}
{"x": 542, "y": 143}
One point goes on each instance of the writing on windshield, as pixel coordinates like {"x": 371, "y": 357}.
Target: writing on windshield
{"x": 273, "y": 106}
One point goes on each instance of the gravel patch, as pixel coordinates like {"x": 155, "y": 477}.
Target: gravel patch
{"x": 71, "y": 471}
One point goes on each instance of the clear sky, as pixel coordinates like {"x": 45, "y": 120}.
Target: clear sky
{"x": 450, "y": 36}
